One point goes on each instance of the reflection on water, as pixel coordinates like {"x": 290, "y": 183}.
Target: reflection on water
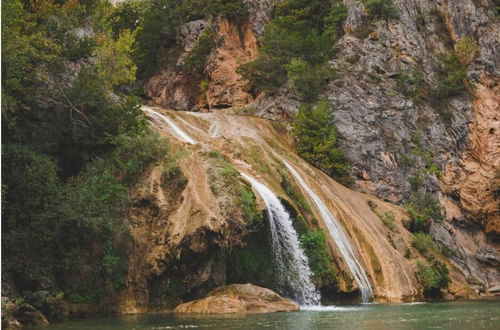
{"x": 450, "y": 315}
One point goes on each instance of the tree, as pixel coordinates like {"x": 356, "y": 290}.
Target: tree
{"x": 316, "y": 140}
{"x": 114, "y": 63}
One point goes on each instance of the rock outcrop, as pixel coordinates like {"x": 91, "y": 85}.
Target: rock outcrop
{"x": 219, "y": 86}
{"x": 239, "y": 298}
{"x": 390, "y": 137}
{"x": 17, "y": 316}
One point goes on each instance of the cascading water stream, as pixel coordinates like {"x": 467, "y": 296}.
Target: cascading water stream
{"x": 340, "y": 238}
{"x": 181, "y": 135}
{"x": 294, "y": 274}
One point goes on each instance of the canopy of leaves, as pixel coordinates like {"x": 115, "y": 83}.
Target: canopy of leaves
{"x": 433, "y": 277}
{"x": 72, "y": 146}
{"x": 422, "y": 209}
{"x": 316, "y": 140}
{"x": 303, "y": 31}
{"x": 316, "y": 249}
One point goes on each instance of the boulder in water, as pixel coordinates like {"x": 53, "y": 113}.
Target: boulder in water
{"x": 239, "y": 298}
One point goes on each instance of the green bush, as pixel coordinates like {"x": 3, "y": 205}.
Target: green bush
{"x": 300, "y": 30}
{"x": 452, "y": 73}
{"x": 433, "y": 277}
{"x": 424, "y": 243}
{"x": 253, "y": 217}
{"x": 197, "y": 57}
{"x": 381, "y": 9}
{"x": 266, "y": 72}
{"x": 308, "y": 80}
{"x": 317, "y": 252}
{"x": 316, "y": 140}
{"x": 252, "y": 263}
{"x": 232, "y": 9}
{"x": 422, "y": 209}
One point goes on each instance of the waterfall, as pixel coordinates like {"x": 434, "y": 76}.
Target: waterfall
{"x": 340, "y": 238}
{"x": 181, "y": 135}
{"x": 294, "y": 274}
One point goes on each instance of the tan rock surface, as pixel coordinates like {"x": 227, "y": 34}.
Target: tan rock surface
{"x": 473, "y": 179}
{"x": 256, "y": 146}
{"x": 239, "y": 298}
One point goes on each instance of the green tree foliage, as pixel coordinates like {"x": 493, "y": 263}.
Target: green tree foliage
{"x": 316, "y": 249}
{"x": 197, "y": 57}
{"x": 302, "y": 31}
{"x": 452, "y": 73}
{"x": 158, "y": 30}
{"x": 126, "y": 16}
{"x": 316, "y": 140}
{"x": 381, "y": 9}
{"x": 422, "y": 209}
{"x": 308, "y": 80}
{"x": 72, "y": 146}
{"x": 231, "y": 9}
{"x": 433, "y": 277}
{"x": 114, "y": 64}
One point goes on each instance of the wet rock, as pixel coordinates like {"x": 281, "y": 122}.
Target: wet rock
{"x": 488, "y": 255}
{"x": 29, "y": 316}
{"x": 239, "y": 298}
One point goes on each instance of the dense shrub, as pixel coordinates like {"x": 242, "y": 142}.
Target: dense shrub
{"x": 308, "y": 80}
{"x": 422, "y": 209}
{"x": 301, "y": 30}
{"x": 452, "y": 73}
{"x": 317, "y": 252}
{"x": 316, "y": 140}
{"x": 424, "y": 243}
{"x": 381, "y": 9}
{"x": 73, "y": 146}
{"x": 231, "y": 9}
{"x": 195, "y": 61}
{"x": 433, "y": 277}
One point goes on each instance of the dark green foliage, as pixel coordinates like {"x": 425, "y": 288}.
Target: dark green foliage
{"x": 308, "y": 80}
{"x": 158, "y": 29}
{"x": 300, "y": 30}
{"x": 266, "y": 73}
{"x": 253, "y": 262}
{"x": 73, "y": 224}
{"x": 72, "y": 147}
{"x": 196, "y": 59}
{"x": 316, "y": 140}
{"x": 451, "y": 82}
{"x": 424, "y": 243}
{"x": 433, "y": 277}
{"x": 231, "y": 9}
{"x": 381, "y": 9}
{"x": 317, "y": 252}
{"x": 422, "y": 209}
{"x": 127, "y": 15}
{"x": 452, "y": 74}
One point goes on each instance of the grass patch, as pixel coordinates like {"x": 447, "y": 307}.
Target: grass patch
{"x": 388, "y": 218}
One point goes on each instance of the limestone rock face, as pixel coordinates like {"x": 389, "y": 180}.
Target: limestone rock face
{"x": 380, "y": 127}
{"x": 239, "y": 298}
{"x": 220, "y": 86}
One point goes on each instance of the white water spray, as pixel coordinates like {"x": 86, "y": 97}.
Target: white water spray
{"x": 181, "y": 135}
{"x": 294, "y": 274}
{"x": 340, "y": 238}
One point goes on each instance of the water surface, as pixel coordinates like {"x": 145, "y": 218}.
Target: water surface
{"x": 448, "y": 315}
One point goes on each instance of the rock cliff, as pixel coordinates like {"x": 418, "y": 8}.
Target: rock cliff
{"x": 183, "y": 233}
{"x": 390, "y": 135}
